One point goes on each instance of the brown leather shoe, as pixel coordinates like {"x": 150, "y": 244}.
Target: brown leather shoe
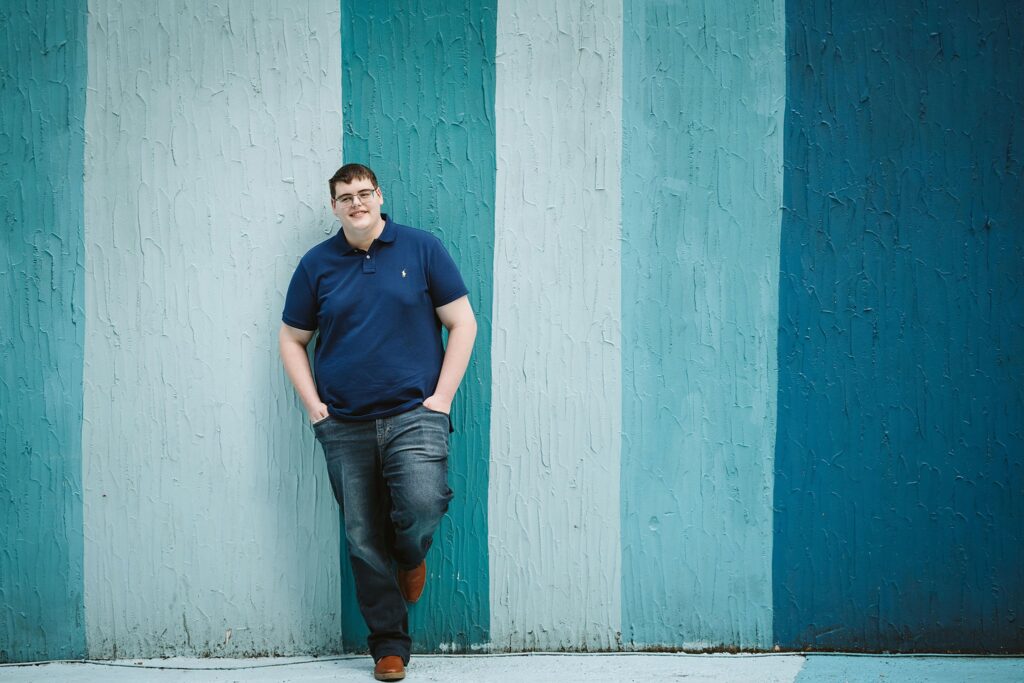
{"x": 390, "y": 668}
{"x": 411, "y": 582}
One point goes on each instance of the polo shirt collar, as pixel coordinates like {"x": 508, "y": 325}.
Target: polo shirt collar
{"x": 389, "y": 232}
{"x": 387, "y": 235}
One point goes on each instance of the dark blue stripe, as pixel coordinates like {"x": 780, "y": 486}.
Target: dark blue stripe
{"x": 418, "y": 89}
{"x": 42, "y": 135}
{"x": 900, "y": 456}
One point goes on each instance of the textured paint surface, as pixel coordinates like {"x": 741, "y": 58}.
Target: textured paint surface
{"x": 631, "y": 160}
{"x": 209, "y": 522}
{"x": 702, "y": 190}
{"x": 419, "y": 78}
{"x": 42, "y": 113}
{"x": 900, "y": 462}
{"x": 554, "y": 498}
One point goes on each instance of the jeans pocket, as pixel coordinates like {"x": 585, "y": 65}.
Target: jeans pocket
{"x": 320, "y": 424}
{"x": 435, "y": 412}
{"x": 447, "y": 417}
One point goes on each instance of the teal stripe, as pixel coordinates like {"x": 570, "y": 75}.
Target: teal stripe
{"x": 702, "y": 182}
{"x": 418, "y": 87}
{"x": 42, "y": 138}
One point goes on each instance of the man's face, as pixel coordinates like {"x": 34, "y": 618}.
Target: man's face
{"x": 357, "y": 205}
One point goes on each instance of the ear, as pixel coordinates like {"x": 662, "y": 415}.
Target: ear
{"x": 381, "y": 195}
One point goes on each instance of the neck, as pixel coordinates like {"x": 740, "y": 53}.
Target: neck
{"x": 363, "y": 240}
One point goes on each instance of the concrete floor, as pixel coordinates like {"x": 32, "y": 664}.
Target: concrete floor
{"x": 781, "y": 668}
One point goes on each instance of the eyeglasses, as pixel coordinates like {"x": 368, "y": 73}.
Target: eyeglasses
{"x": 349, "y": 199}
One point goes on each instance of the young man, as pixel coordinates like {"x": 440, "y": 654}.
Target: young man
{"x": 378, "y": 292}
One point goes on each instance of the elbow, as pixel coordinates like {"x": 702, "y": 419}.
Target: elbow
{"x": 464, "y": 330}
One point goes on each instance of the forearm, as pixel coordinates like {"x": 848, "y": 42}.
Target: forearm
{"x": 456, "y": 359}
{"x": 296, "y": 365}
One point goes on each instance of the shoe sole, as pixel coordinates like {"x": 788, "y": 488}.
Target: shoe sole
{"x": 389, "y": 677}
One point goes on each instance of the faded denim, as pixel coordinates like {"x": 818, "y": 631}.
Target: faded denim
{"x": 390, "y": 477}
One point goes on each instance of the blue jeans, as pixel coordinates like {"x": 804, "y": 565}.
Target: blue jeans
{"x": 390, "y": 477}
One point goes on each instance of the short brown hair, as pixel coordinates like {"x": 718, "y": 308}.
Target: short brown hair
{"x": 348, "y": 173}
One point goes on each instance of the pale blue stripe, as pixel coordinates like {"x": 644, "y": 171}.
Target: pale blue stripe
{"x": 554, "y": 531}
{"x": 209, "y": 522}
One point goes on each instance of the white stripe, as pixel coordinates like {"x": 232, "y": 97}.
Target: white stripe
{"x": 211, "y": 129}
{"x": 556, "y": 418}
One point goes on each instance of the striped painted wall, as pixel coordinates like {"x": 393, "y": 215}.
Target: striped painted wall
{"x": 748, "y": 371}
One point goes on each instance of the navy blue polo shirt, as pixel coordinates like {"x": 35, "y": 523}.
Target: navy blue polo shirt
{"x": 379, "y": 351}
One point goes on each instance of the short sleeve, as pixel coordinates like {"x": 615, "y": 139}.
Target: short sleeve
{"x": 300, "y": 305}
{"x": 444, "y": 280}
